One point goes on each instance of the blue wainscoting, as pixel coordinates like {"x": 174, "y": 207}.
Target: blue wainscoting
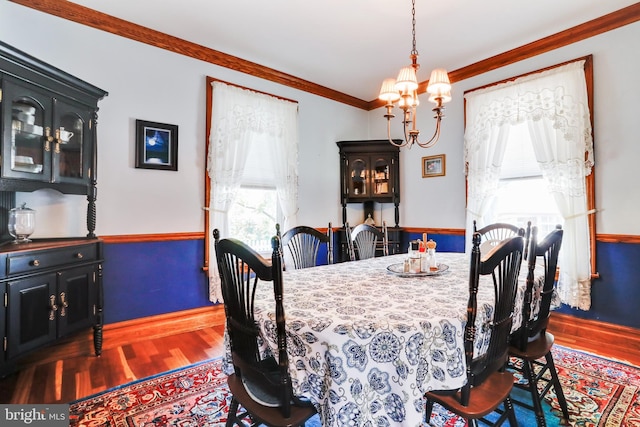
{"x": 150, "y": 278}
{"x": 615, "y": 296}
{"x": 444, "y": 242}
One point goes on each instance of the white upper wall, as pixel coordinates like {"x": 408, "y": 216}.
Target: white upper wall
{"x": 152, "y": 84}
{"x": 148, "y": 83}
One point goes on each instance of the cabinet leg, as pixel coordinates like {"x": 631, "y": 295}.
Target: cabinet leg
{"x": 97, "y": 339}
{"x": 97, "y": 328}
{"x": 91, "y": 210}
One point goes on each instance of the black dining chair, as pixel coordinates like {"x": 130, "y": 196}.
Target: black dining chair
{"x": 493, "y": 234}
{"x": 488, "y": 384}
{"x": 531, "y": 343}
{"x": 302, "y": 244}
{"x": 527, "y": 239}
{"x": 261, "y": 385}
{"x": 365, "y": 240}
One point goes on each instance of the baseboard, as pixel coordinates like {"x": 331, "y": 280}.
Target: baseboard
{"x": 130, "y": 331}
{"x": 605, "y": 339}
{"x": 121, "y": 333}
{"x": 601, "y": 338}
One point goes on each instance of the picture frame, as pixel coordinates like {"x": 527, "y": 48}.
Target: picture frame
{"x": 156, "y": 145}
{"x": 434, "y": 166}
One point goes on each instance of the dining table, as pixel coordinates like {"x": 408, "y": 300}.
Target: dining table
{"x": 365, "y": 340}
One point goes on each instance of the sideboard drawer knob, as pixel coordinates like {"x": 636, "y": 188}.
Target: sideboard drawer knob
{"x": 35, "y": 263}
{"x": 79, "y": 255}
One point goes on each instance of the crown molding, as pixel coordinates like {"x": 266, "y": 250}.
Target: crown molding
{"x": 101, "y": 21}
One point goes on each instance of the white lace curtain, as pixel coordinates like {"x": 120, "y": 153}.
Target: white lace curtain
{"x": 240, "y": 118}
{"x": 554, "y": 105}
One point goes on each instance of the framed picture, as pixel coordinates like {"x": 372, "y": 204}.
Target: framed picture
{"x": 433, "y": 166}
{"x": 156, "y": 145}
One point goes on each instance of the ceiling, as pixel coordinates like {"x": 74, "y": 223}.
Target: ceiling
{"x": 352, "y": 45}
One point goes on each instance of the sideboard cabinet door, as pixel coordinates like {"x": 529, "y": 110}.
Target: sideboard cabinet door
{"x": 31, "y": 313}
{"x": 77, "y": 292}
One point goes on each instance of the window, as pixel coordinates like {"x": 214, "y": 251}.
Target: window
{"x": 252, "y": 217}
{"x": 252, "y": 168}
{"x": 546, "y": 116}
{"x": 255, "y": 209}
{"x": 523, "y": 194}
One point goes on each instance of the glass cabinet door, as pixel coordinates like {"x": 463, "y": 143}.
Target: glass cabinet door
{"x": 26, "y": 155}
{"x": 381, "y": 177}
{"x": 70, "y": 158}
{"x": 357, "y": 174}
{"x": 48, "y": 136}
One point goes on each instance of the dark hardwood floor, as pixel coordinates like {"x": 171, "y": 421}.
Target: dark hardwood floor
{"x": 141, "y": 348}
{"x": 43, "y": 378}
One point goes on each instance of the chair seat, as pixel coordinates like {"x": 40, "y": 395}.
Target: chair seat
{"x": 536, "y": 349}
{"x": 265, "y": 395}
{"x": 485, "y": 398}
{"x": 269, "y": 415}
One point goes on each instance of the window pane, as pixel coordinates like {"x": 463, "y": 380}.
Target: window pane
{"x": 527, "y": 199}
{"x": 522, "y": 194}
{"x": 519, "y": 158}
{"x": 253, "y": 216}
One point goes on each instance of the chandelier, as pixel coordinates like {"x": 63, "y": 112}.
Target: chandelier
{"x": 404, "y": 90}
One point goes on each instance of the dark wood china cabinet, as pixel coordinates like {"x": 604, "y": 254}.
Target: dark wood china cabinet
{"x": 370, "y": 173}
{"x": 51, "y": 287}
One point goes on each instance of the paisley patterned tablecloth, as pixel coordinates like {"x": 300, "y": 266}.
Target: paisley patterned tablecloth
{"x": 365, "y": 345}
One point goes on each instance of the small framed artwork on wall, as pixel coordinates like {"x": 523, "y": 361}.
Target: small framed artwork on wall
{"x": 433, "y": 166}
{"x": 156, "y": 145}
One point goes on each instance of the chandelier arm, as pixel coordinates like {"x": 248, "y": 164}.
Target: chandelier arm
{"x": 407, "y": 139}
{"x": 436, "y": 135}
{"x": 391, "y": 141}
{"x": 410, "y": 134}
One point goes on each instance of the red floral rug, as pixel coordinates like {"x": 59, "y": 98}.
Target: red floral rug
{"x": 599, "y": 392}
{"x": 192, "y": 396}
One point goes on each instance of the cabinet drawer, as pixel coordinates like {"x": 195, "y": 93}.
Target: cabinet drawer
{"x": 59, "y": 257}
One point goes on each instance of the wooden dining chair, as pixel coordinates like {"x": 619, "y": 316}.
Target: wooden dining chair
{"x": 493, "y": 234}
{"x": 302, "y": 245}
{"x": 489, "y": 384}
{"x": 532, "y": 343}
{"x": 261, "y": 385}
{"x": 351, "y": 251}
{"x": 365, "y": 240}
{"x": 527, "y": 240}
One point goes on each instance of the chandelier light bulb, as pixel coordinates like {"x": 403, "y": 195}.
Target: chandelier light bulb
{"x": 407, "y": 80}
{"x": 443, "y": 97}
{"x": 388, "y": 91}
{"x": 439, "y": 82}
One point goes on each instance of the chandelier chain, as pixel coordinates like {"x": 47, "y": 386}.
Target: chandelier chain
{"x": 413, "y": 24}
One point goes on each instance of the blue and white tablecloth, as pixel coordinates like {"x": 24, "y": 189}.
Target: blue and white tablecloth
{"x": 365, "y": 345}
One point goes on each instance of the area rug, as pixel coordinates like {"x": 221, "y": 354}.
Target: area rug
{"x": 599, "y": 392}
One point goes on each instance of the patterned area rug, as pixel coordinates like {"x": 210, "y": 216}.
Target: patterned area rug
{"x": 599, "y": 392}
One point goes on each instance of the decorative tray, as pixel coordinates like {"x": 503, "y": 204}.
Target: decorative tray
{"x": 398, "y": 270}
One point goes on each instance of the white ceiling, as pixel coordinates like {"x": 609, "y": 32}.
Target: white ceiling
{"x": 352, "y": 45}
